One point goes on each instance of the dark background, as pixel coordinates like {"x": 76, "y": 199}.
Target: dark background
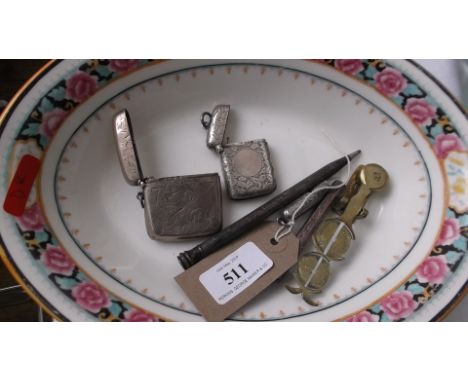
{"x": 15, "y": 305}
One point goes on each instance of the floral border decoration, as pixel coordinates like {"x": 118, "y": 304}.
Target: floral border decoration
{"x": 40, "y": 126}
{"x": 452, "y": 243}
{"x": 50, "y": 112}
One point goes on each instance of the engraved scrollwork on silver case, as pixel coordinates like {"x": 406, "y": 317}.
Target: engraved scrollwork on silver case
{"x": 247, "y": 169}
{"x": 175, "y": 208}
{"x": 217, "y": 125}
{"x": 126, "y": 149}
{"x": 183, "y": 207}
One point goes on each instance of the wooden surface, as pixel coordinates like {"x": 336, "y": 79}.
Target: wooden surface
{"x": 15, "y": 305}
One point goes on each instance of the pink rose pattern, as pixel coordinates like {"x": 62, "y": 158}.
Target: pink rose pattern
{"x": 90, "y": 296}
{"x": 52, "y": 120}
{"x": 57, "y": 261}
{"x": 136, "y": 315}
{"x": 420, "y": 111}
{"x": 433, "y": 270}
{"x": 350, "y": 67}
{"x": 390, "y": 82}
{"x": 363, "y": 316}
{"x": 32, "y": 219}
{"x": 81, "y": 86}
{"x": 450, "y": 232}
{"x": 398, "y": 305}
{"x": 446, "y": 143}
{"x": 84, "y": 83}
{"x": 122, "y": 66}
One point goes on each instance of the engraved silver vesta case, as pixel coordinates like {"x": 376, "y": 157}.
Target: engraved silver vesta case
{"x": 247, "y": 167}
{"x": 176, "y": 208}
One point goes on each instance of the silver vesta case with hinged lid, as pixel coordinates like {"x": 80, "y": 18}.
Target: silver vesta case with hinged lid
{"x": 247, "y": 167}
{"x": 176, "y": 208}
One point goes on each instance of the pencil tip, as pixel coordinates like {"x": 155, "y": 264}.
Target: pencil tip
{"x": 354, "y": 154}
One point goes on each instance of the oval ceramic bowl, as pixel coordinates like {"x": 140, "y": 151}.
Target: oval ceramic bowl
{"x": 81, "y": 248}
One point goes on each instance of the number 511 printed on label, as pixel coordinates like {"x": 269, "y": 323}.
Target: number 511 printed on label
{"x": 235, "y": 273}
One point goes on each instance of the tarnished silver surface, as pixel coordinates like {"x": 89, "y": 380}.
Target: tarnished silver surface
{"x": 310, "y": 203}
{"x": 217, "y": 126}
{"x": 177, "y": 208}
{"x": 247, "y": 168}
{"x": 183, "y": 207}
{"x": 126, "y": 149}
{"x": 252, "y": 219}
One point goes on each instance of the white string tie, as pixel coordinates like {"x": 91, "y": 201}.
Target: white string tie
{"x": 287, "y": 227}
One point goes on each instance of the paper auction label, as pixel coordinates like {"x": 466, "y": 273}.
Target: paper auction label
{"x": 236, "y": 272}
{"x": 229, "y": 278}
